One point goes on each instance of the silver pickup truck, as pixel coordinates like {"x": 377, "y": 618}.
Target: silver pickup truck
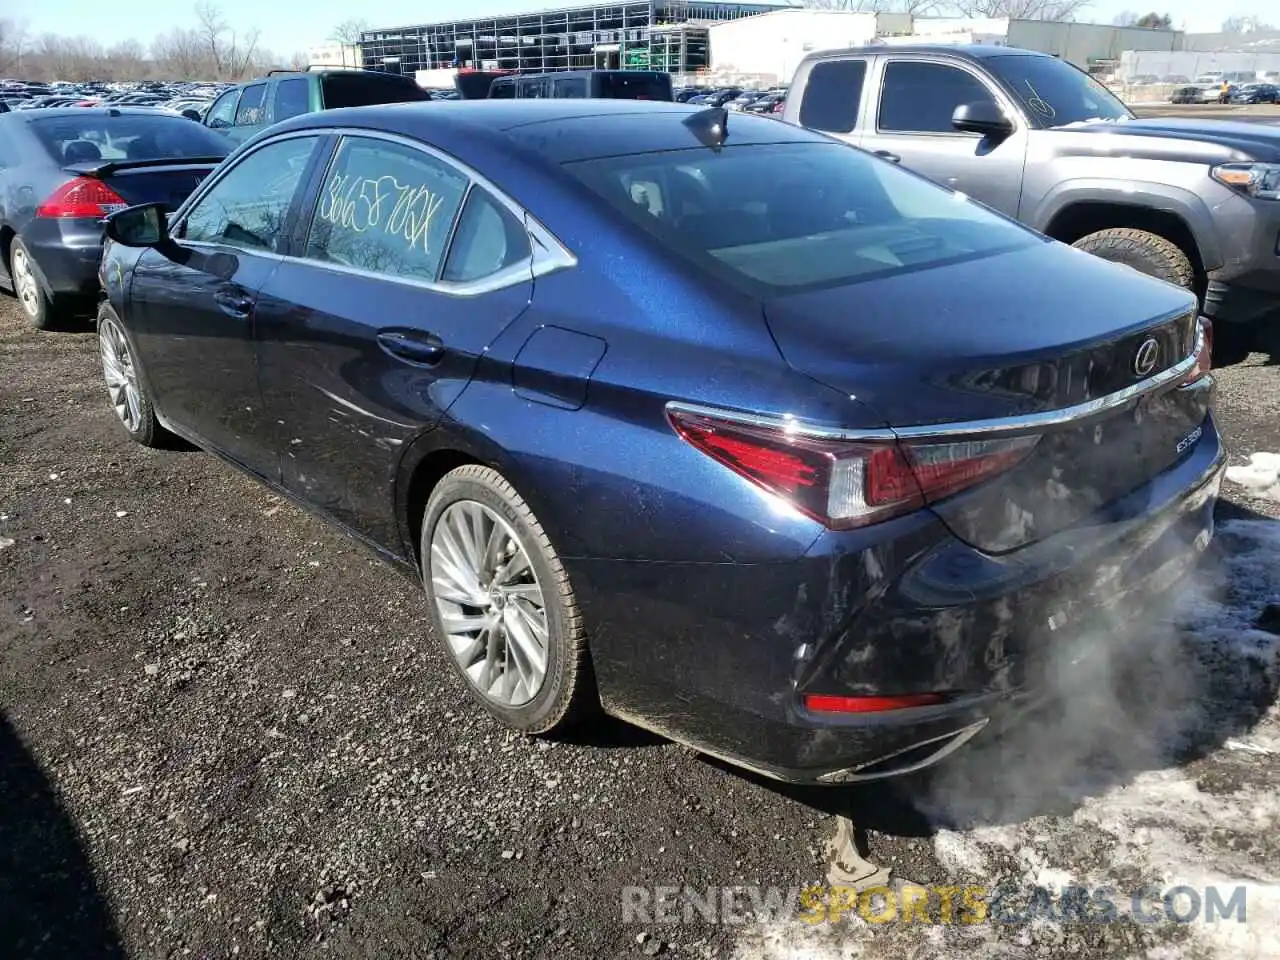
{"x": 1195, "y": 202}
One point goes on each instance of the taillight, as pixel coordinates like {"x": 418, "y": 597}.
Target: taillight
{"x": 82, "y": 197}
{"x": 1204, "y": 353}
{"x": 845, "y": 484}
{"x": 827, "y": 703}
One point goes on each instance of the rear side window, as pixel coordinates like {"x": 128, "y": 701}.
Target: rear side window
{"x": 489, "y": 238}
{"x": 126, "y": 137}
{"x": 833, "y": 95}
{"x": 354, "y": 89}
{"x": 293, "y": 98}
{"x": 571, "y": 87}
{"x": 503, "y": 90}
{"x": 640, "y": 86}
{"x": 539, "y": 87}
{"x": 386, "y": 208}
{"x": 920, "y": 97}
{"x": 252, "y": 102}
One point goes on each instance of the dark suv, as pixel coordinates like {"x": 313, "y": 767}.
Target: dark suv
{"x": 244, "y": 110}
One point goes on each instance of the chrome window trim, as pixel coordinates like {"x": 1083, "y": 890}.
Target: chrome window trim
{"x": 547, "y": 255}
{"x": 1003, "y": 426}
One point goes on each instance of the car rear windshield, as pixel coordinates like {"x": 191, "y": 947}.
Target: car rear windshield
{"x": 781, "y": 218}
{"x": 642, "y": 86}
{"x": 360, "y": 90}
{"x": 100, "y": 136}
{"x": 1055, "y": 93}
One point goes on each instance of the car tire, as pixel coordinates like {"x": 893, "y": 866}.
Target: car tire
{"x": 37, "y": 306}
{"x": 132, "y": 402}
{"x": 488, "y": 620}
{"x": 1146, "y": 252}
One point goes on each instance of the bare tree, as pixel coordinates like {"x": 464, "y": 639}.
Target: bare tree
{"x": 13, "y": 41}
{"x": 1023, "y": 9}
{"x": 1244, "y": 24}
{"x": 1125, "y": 18}
{"x": 229, "y": 53}
{"x": 349, "y": 31}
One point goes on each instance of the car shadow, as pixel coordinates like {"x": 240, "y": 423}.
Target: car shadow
{"x": 50, "y": 904}
{"x": 1156, "y": 695}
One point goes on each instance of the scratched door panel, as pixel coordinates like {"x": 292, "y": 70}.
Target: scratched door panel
{"x": 344, "y": 402}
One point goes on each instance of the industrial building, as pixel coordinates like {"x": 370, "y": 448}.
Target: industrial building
{"x": 706, "y": 41}
{"x": 669, "y": 35}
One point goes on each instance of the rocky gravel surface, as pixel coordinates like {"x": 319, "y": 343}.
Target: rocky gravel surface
{"x": 226, "y": 732}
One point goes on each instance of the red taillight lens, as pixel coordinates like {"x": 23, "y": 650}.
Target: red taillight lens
{"x": 1204, "y": 355}
{"x": 82, "y": 197}
{"x": 846, "y": 484}
{"x": 824, "y": 703}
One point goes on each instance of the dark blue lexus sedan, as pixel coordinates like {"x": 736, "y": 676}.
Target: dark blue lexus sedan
{"x": 754, "y": 439}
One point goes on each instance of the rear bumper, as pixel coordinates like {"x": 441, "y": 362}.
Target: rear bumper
{"x": 718, "y": 656}
{"x": 65, "y": 254}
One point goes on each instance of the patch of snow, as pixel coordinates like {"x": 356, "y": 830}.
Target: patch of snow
{"x": 1261, "y": 477}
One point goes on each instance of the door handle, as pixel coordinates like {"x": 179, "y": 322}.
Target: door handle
{"x": 233, "y": 303}
{"x": 886, "y": 155}
{"x": 412, "y": 346}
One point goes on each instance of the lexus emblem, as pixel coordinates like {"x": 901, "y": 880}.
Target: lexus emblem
{"x": 1146, "y": 356}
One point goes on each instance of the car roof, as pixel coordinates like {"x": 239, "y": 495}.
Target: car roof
{"x": 959, "y": 51}
{"x": 562, "y": 130}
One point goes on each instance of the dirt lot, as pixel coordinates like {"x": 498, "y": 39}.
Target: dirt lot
{"x": 224, "y": 731}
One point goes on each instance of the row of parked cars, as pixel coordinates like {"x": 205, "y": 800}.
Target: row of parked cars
{"x": 1235, "y": 93}
{"x": 176, "y": 97}
{"x": 894, "y": 452}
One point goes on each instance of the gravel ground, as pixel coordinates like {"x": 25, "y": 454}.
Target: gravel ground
{"x": 225, "y": 731}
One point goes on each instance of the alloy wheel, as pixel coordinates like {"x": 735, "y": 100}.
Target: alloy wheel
{"x": 490, "y": 603}
{"x": 120, "y": 374}
{"x": 24, "y": 283}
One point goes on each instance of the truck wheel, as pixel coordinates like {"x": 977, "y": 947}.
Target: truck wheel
{"x": 1145, "y": 252}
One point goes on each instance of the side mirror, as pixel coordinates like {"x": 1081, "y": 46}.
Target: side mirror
{"x": 142, "y": 226}
{"x": 192, "y": 115}
{"x": 982, "y": 117}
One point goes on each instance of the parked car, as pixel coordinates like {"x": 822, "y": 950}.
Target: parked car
{"x": 1193, "y": 202}
{"x": 1192, "y": 94}
{"x": 1256, "y": 93}
{"x": 727, "y": 440}
{"x": 62, "y": 170}
{"x": 598, "y": 84}
{"x": 250, "y": 107}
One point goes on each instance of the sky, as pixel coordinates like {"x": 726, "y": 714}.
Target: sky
{"x": 289, "y": 26}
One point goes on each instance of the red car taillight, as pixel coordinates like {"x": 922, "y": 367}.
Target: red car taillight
{"x": 82, "y": 197}
{"x": 845, "y": 484}
{"x": 1204, "y": 355}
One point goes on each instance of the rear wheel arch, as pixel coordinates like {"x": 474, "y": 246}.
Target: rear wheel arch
{"x": 420, "y": 480}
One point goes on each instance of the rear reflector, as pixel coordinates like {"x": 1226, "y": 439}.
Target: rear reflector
{"x": 83, "y": 197}
{"x": 825, "y": 703}
{"x": 1204, "y": 352}
{"x": 843, "y": 483}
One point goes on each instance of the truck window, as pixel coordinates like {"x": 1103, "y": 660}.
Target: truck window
{"x": 919, "y": 97}
{"x": 534, "y": 87}
{"x": 223, "y": 112}
{"x": 1056, "y": 93}
{"x": 292, "y": 99}
{"x": 621, "y": 85}
{"x": 251, "y": 110}
{"x": 351, "y": 88}
{"x": 832, "y": 95}
{"x": 503, "y": 89}
{"x": 571, "y": 87}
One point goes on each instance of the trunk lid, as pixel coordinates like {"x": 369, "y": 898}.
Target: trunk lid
{"x": 1028, "y": 332}
{"x": 149, "y": 181}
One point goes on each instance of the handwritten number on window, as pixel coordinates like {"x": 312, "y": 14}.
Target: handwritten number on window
{"x": 383, "y": 204}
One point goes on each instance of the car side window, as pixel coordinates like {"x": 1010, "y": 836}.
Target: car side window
{"x": 249, "y": 205}
{"x": 386, "y": 208}
{"x": 223, "y": 112}
{"x": 292, "y": 99}
{"x": 488, "y": 238}
{"x": 832, "y": 95}
{"x": 251, "y": 106}
{"x": 920, "y": 97}
{"x": 503, "y": 89}
{"x": 571, "y": 87}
